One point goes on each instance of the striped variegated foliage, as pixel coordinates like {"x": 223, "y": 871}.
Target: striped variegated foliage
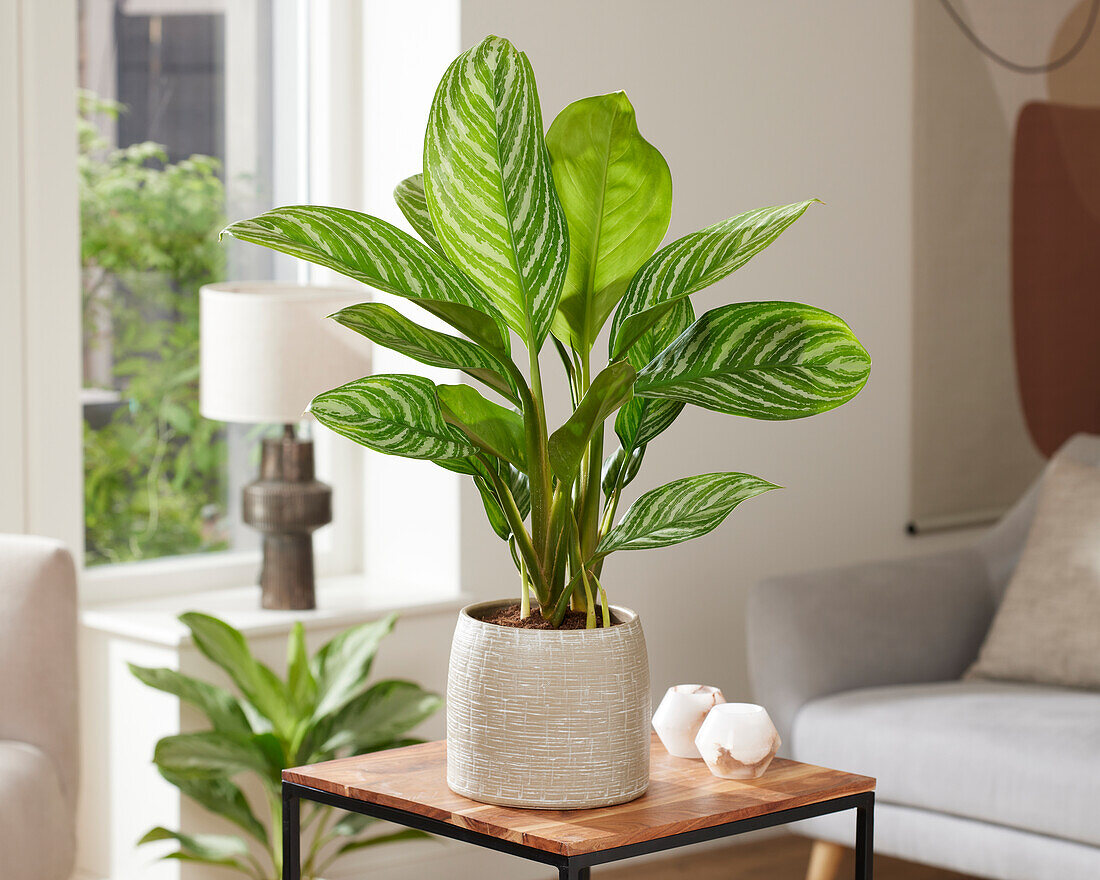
{"x": 532, "y": 234}
{"x": 385, "y": 326}
{"x": 766, "y": 360}
{"x": 489, "y": 189}
{"x": 399, "y": 415}
{"x": 693, "y": 262}
{"x": 410, "y": 198}
{"x": 382, "y": 256}
{"x": 681, "y": 510}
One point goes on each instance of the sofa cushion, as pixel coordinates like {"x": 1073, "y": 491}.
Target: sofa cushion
{"x": 1020, "y": 755}
{"x": 1047, "y": 629}
{"x": 37, "y": 838}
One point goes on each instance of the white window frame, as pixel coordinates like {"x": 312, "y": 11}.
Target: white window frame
{"x": 40, "y": 338}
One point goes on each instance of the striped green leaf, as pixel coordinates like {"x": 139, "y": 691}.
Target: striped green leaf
{"x": 616, "y": 190}
{"x": 384, "y": 325}
{"x": 608, "y": 391}
{"x": 642, "y": 419}
{"x": 767, "y": 360}
{"x": 693, "y": 262}
{"x": 491, "y": 427}
{"x": 409, "y": 195}
{"x": 489, "y": 189}
{"x": 680, "y": 510}
{"x": 395, "y": 414}
{"x": 382, "y": 256}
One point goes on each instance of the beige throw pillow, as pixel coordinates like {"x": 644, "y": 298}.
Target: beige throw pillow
{"x": 1047, "y": 629}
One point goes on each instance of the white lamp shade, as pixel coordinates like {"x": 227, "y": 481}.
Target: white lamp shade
{"x": 267, "y": 349}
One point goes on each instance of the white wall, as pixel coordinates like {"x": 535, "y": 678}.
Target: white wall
{"x": 754, "y": 104}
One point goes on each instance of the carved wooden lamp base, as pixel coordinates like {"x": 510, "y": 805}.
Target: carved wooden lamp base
{"x": 287, "y": 504}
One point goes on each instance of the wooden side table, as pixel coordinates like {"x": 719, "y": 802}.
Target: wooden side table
{"x": 685, "y": 804}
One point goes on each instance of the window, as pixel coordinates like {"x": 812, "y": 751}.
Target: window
{"x": 362, "y": 74}
{"x": 183, "y": 122}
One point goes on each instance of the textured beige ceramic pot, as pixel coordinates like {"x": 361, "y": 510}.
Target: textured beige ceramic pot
{"x": 548, "y": 719}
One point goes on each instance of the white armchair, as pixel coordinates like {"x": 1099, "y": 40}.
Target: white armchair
{"x": 38, "y": 709}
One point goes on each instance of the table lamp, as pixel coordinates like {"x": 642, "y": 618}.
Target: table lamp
{"x": 266, "y": 351}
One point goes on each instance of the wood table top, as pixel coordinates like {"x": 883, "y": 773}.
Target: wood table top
{"x": 682, "y": 796}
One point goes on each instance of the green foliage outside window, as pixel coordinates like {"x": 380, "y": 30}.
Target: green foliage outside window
{"x": 154, "y": 474}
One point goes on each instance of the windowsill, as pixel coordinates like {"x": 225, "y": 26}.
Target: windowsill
{"x": 341, "y": 601}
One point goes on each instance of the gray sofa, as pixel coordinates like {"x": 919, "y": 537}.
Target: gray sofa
{"x": 860, "y": 669}
{"x": 38, "y": 709}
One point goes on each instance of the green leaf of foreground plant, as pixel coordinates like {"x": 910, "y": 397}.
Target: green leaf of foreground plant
{"x": 489, "y": 188}
{"x": 641, "y": 419}
{"x": 221, "y": 797}
{"x": 693, "y": 262}
{"x": 342, "y": 665}
{"x": 613, "y": 466}
{"x": 384, "y": 325}
{"x": 608, "y": 391}
{"x": 227, "y": 647}
{"x": 379, "y": 715}
{"x": 300, "y": 684}
{"x": 680, "y": 510}
{"x": 381, "y": 256}
{"x": 209, "y": 753}
{"x": 217, "y": 849}
{"x": 616, "y": 190}
{"x": 394, "y": 414}
{"x": 410, "y": 198}
{"x": 768, "y": 360}
{"x": 220, "y": 707}
{"x": 493, "y": 428}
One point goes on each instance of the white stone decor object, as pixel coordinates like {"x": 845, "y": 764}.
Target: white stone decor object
{"x": 548, "y": 719}
{"x": 738, "y": 740}
{"x": 680, "y": 715}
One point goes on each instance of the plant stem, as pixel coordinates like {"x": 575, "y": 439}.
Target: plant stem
{"x": 525, "y": 599}
{"x": 538, "y": 462}
{"x": 519, "y": 532}
{"x": 604, "y": 608}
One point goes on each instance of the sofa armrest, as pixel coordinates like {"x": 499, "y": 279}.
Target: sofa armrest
{"x": 38, "y": 678}
{"x": 882, "y": 623}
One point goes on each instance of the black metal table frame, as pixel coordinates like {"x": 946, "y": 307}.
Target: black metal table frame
{"x": 574, "y": 867}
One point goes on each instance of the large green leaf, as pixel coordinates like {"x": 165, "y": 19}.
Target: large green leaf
{"x": 693, "y": 262}
{"x": 220, "y": 707}
{"x": 395, "y": 414}
{"x": 384, "y": 325}
{"x": 608, "y": 391}
{"x": 227, "y": 647}
{"x": 767, "y": 360}
{"x": 680, "y": 510}
{"x": 379, "y": 715}
{"x": 616, "y": 190}
{"x": 219, "y": 796}
{"x": 226, "y": 850}
{"x": 209, "y": 753}
{"x": 494, "y": 428}
{"x": 342, "y": 665}
{"x": 410, "y": 198}
{"x": 489, "y": 188}
{"x": 382, "y": 256}
{"x": 641, "y": 419}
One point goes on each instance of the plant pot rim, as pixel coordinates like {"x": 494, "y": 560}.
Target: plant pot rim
{"x": 625, "y": 617}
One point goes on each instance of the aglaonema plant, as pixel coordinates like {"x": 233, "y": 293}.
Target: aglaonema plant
{"x": 539, "y": 237}
{"x": 323, "y": 709}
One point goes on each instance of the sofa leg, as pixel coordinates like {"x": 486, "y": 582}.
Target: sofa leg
{"x": 824, "y": 860}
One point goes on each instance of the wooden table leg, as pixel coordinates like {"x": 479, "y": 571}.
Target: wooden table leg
{"x": 292, "y": 859}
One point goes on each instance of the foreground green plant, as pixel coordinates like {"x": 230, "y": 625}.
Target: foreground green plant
{"x": 548, "y": 237}
{"x": 323, "y": 710}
